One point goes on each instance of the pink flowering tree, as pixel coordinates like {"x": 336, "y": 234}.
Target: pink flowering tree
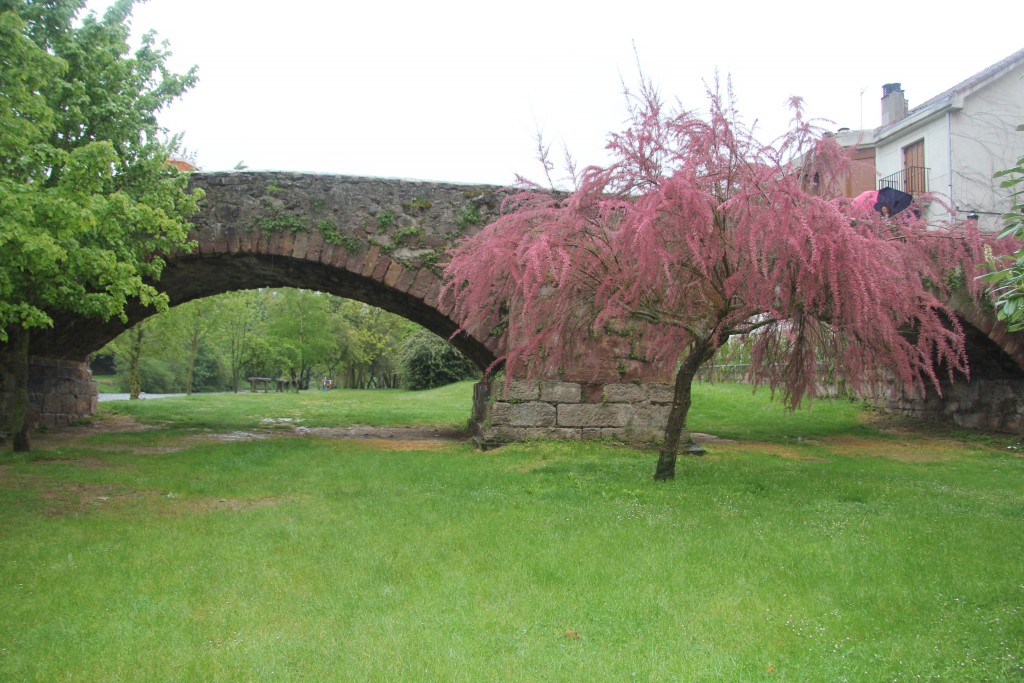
{"x": 696, "y": 233}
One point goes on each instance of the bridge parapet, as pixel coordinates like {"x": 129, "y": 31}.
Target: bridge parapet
{"x": 313, "y": 217}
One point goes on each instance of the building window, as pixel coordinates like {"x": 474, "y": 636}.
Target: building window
{"x": 915, "y": 174}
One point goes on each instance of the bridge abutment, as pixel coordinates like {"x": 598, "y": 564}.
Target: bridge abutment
{"x": 60, "y": 392}
{"x": 521, "y": 410}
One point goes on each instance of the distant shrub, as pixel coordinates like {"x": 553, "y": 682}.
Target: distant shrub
{"x": 427, "y": 361}
{"x": 155, "y": 377}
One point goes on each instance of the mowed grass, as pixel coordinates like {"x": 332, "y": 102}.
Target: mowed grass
{"x": 814, "y": 546}
{"x": 447, "y": 407}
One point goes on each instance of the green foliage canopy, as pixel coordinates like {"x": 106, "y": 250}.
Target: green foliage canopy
{"x": 428, "y": 361}
{"x": 1008, "y": 276}
{"x": 87, "y": 201}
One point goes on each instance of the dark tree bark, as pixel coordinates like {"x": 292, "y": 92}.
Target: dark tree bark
{"x": 681, "y": 400}
{"x": 134, "y": 353}
{"x": 193, "y": 351}
{"x": 19, "y": 410}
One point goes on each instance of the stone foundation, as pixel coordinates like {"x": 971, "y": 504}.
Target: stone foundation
{"x": 59, "y": 392}
{"x": 993, "y": 400}
{"x": 990, "y": 404}
{"x": 521, "y": 410}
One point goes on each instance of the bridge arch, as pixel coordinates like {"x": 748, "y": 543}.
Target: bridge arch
{"x": 375, "y": 240}
{"x": 381, "y": 241}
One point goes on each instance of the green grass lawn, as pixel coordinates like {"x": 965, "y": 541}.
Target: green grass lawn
{"x": 447, "y": 407}
{"x": 107, "y": 384}
{"x": 814, "y": 546}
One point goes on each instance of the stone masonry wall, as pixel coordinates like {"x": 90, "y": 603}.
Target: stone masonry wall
{"x": 991, "y": 404}
{"x": 527, "y": 409}
{"x": 60, "y": 392}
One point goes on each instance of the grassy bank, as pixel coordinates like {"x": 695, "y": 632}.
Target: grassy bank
{"x": 810, "y": 547}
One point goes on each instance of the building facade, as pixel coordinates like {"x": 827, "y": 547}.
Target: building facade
{"x": 950, "y": 146}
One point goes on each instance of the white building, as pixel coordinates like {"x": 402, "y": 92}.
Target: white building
{"x": 951, "y": 145}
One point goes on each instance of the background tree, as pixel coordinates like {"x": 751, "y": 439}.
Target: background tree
{"x": 198, "y": 317}
{"x": 133, "y": 353}
{"x": 87, "y": 201}
{"x": 697, "y": 232}
{"x": 299, "y": 325}
{"x": 376, "y": 337}
{"x": 427, "y": 361}
{"x": 236, "y": 317}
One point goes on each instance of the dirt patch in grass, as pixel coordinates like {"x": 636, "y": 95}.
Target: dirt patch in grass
{"x": 384, "y": 433}
{"x": 88, "y": 463}
{"x": 913, "y": 448}
{"x": 201, "y": 505}
{"x": 908, "y": 447}
{"x": 389, "y": 438}
{"x": 104, "y": 423}
{"x": 403, "y": 445}
{"x": 74, "y": 498}
{"x": 778, "y": 450}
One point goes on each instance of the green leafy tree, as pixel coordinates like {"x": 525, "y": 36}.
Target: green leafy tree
{"x": 237, "y": 316}
{"x": 375, "y": 338}
{"x": 197, "y": 318}
{"x": 1008, "y": 278}
{"x": 299, "y": 323}
{"x": 87, "y": 201}
{"x": 427, "y": 361}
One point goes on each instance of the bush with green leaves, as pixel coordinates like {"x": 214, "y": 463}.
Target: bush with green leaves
{"x": 427, "y": 361}
{"x": 1007, "y": 280}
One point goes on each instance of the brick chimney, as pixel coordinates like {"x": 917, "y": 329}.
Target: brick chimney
{"x": 894, "y": 104}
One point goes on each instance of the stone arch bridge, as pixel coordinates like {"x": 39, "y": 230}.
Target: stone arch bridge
{"x": 381, "y": 241}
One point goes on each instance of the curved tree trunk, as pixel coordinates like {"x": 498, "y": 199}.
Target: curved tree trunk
{"x": 134, "y": 353}
{"x": 681, "y": 399}
{"x": 19, "y": 410}
{"x": 193, "y": 351}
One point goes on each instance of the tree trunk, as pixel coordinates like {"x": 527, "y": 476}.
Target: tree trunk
{"x": 19, "y": 410}
{"x": 135, "y": 351}
{"x": 193, "y": 351}
{"x": 681, "y": 399}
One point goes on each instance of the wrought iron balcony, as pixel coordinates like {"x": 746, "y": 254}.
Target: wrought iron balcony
{"x": 912, "y": 180}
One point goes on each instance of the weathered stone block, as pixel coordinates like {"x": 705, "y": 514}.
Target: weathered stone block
{"x": 648, "y": 419}
{"x": 339, "y": 257}
{"x": 406, "y": 280}
{"x": 300, "y": 246}
{"x": 531, "y": 414}
{"x": 369, "y": 261}
{"x": 515, "y": 389}
{"x": 393, "y": 274}
{"x": 561, "y": 392}
{"x": 381, "y": 269}
{"x": 420, "y": 286}
{"x": 660, "y": 393}
{"x": 593, "y": 415}
{"x": 52, "y": 403}
{"x": 624, "y": 393}
{"x": 284, "y": 239}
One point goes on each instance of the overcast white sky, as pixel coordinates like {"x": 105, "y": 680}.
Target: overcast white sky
{"x": 457, "y": 90}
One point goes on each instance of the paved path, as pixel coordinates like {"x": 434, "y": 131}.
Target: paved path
{"x": 126, "y": 397}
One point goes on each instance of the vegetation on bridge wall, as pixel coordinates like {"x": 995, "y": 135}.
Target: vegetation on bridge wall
{"x": 411, "y": 222}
